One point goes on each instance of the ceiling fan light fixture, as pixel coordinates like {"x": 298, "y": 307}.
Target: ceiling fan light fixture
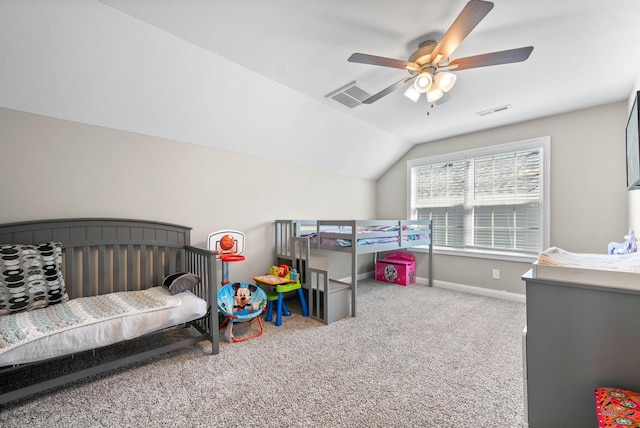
{"x": 423, "y": 82}
{"x": 445, "y": 80}
{"x": 429, "y": 64}
{"x": 412, "y": 94}
{"x": 434, "y": 94}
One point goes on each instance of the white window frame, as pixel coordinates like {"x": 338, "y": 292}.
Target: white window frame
{"x": 540, "y": 142}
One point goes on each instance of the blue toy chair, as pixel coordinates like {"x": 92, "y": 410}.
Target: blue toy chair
{"x": 240, "y": 302}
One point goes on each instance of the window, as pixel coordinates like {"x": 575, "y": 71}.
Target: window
{"x": 490, "y": 200}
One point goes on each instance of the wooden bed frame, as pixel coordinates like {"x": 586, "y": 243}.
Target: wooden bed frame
{"x": 328, "y": 298}
{"x": 107, "y": 255}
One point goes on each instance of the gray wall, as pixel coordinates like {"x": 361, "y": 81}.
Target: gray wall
{"x": 52, "y": 168}
{"x": 588, "y": 194}
{"x": 55, "y": 168}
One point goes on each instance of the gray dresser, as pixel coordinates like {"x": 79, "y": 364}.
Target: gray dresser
{"x": 578, "y": 337}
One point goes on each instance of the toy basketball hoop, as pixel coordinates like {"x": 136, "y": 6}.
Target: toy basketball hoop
{"x": 231, "y": 257}
{"x": 226, "y": 242}
{"x": 229, "y": 244}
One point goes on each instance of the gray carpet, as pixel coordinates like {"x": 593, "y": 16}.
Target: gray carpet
{"x": 414, "y": 356}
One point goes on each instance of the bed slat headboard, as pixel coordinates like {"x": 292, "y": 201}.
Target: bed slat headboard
{"x": 106, "y": 255}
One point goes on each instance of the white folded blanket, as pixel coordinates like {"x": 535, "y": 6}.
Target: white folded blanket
{"x": 558, "y": 257}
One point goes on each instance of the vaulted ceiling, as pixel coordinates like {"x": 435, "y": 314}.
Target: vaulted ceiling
{"x": 165, "y": 68}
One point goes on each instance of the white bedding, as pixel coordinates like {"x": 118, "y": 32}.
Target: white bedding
{"x": 605, "y": 270}
{"x": 558, "y": 257}
{"x": 186, "y": 307}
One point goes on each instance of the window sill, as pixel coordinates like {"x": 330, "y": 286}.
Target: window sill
{"x": 480, "y": 254}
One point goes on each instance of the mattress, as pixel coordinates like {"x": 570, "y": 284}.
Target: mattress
{"x": 362, "y": 240}
{"x": 174, "y": 310}
{"x": 605, "y": 270}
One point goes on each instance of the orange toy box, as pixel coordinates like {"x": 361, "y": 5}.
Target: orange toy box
{"x": 397, "y": 268}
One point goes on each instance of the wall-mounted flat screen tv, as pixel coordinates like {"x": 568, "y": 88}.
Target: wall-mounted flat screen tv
{"x": 633, "y": 147}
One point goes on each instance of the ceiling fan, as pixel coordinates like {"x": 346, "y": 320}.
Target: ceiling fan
{"x": 430, "y": 66}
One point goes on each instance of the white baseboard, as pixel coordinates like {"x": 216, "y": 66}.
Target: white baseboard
{"x": 498, "y": 294}
{"x": 360, "y": 277}
{"x": 366, "y": 275}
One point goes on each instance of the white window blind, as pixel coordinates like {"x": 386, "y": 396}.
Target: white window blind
{"x": 485, "y": 200}
{"x": 439, "y": 196}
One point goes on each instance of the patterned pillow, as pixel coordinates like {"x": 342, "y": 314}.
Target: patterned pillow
{"x": 30, "y": 277}
{"x": 180, "y": 281}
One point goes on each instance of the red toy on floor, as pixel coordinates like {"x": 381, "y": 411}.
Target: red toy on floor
{"x": 617, "y": 407}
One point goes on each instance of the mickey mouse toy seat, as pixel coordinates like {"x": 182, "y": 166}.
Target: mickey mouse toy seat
{"x": 240, "y": 302}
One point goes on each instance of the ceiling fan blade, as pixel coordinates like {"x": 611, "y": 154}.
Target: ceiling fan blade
{"x": 471, "y": 15}
{"x": 385, "y": 62}
{"x": 386, "y": 91}
{"x": 493, "y": 58}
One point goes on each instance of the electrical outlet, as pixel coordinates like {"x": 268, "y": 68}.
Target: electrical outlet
{"x": 496, "y": 274}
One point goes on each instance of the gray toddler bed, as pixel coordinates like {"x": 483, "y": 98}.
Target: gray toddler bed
{"x": 112, "y": 271}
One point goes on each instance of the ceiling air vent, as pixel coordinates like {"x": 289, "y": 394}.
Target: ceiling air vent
{"x": 349, "y": 95}
{"x": 494, "y": 110}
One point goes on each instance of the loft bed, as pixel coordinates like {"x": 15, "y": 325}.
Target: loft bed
{"x": 296, "y": 240}
{"x": 104, "y": 282}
